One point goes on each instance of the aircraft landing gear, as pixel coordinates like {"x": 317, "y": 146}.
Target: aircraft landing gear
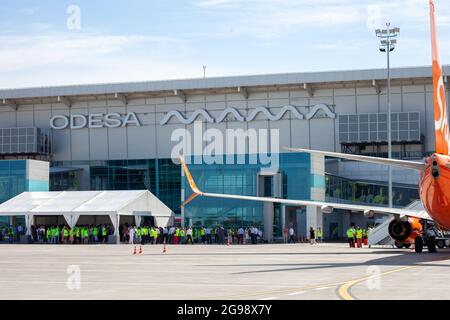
{"x": 418, "y": 244}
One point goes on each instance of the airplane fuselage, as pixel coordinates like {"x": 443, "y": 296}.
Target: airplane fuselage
{"x": 434, "y": 188}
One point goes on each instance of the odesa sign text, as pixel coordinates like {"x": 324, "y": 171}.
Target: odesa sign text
{"x": 92, "y": 121}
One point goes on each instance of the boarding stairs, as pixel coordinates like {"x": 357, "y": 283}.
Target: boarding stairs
{"x": 380, "y": 234}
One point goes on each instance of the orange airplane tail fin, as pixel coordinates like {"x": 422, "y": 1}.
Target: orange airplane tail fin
{"x": 440, "y": 102}
{"x": 191, "y": 182}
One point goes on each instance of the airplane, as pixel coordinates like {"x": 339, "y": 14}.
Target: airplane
{"x": 434, "y": 184}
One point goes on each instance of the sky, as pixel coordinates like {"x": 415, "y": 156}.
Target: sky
{"x": 46, "y": 43}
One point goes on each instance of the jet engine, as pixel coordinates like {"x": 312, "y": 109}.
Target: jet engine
{"x": 405, "y": 231}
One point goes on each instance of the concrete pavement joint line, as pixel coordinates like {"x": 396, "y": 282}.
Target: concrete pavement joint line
{"x": 344, "y": 290}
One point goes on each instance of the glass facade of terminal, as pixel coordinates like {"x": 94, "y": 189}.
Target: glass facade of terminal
{"x": 160, "y": 176}
{"x": 14, "y": 181}
{"x": 338, "y": 188}
{"x": 242, "y": 179}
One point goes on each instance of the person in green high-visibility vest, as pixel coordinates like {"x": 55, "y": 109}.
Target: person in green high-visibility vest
{"x": 65, "y": 235}
{"x": 48, "y": 235}
{"x": 139, "y": 235}
{"x": 351, "y": 237}
{"x": 319, "y": 234}
{"x": 71, "y": 233}
{"x": 144, "y": 235}
{"x": 359, "y": 235}
{"x": 104, "y": 234}
{"x": 176, "y": 236}
{"x": 183, "y": 236}
{"x": 85, "y": 235}
{"x": 95, "y": 234}
{"x": 203, "y": 234}
{"x": 53, "y": 235}
{"x": 11, "y": 235}
{"x": 77, "y": 235}
{"x": 151, "y": 235}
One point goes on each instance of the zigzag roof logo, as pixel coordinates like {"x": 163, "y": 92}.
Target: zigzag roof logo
{"x": 237, "y": 115}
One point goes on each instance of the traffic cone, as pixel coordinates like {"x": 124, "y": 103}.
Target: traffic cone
{"x": 140, "y": 249}
{"x": 164, "y": 249}
{"x": 134, "y": 252}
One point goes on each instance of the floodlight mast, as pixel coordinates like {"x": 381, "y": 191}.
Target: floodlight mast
{"x": 387, "y": 44}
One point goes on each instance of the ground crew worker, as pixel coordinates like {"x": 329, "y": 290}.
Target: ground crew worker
{"x": 104, "y": 234}
{"x": 319, "y": 234}
{"x": 48, "y": 235}
{"x": 11, "y": 235}
{"x": 139, "y": 235}
{"x": 86, "y": 235}
{"x": 359, "y": 235}
{"x": 196, "y": 235}
{"x": 203, "y": 235}
{"x": 95, "y": 234}
{"x": 71, "y": 235}
{"x": 354, "y": 235}
{"x": 350, "y": 237}
{"x": 151, "y": 235}
{"x": 65, "y": 235}
{"x": 144, "y": 234}
{"x": 77, "y": 235}
{"x": 176, "y": 236}
{"x": 183, "y": 236}
{"x": 364, "y": 236}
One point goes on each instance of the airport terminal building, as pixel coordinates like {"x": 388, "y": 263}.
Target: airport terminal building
{"x": 120, "y": 137}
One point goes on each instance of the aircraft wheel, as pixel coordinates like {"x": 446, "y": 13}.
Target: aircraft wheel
{"x": 440, "y": 243}
{"x": 418, "y": 244}
{"x": 407, "y": 246}
{"x": 398, "y": 244}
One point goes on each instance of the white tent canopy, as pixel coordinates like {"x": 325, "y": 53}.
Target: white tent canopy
{"x": 73, "y": 204}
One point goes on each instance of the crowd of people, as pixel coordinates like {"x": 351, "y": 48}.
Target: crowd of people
{"x": 357, "y": 236}
{"x": 200, "y": 235}
{"x": 59, "y": 234}
{"x": 93, "y": 234}
{"x": 11, "y": 234}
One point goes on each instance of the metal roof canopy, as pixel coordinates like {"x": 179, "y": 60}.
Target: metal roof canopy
{"x": 211, "y": 83}
{"x": 73, "y": 204}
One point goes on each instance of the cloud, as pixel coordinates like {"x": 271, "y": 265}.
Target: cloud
{"x": 28, "y": 11}
{"x": 21, "y": 52}
{"x": 276, "y": 18}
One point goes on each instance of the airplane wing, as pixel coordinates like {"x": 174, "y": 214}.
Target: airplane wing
{"x": 390, "y": 162}
{"x": 323, "y": 205}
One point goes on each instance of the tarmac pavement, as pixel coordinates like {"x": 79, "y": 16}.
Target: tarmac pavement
{"x": 250, "y": 272}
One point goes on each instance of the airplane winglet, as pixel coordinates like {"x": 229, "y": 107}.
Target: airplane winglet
{"x": 191, "y": 182}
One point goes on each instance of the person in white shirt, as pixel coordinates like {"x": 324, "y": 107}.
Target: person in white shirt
{"x": 132, "y": 235}
{"x": 241, "y": 235}
{"x": 208, "y": 235}
{"x": 291, "y": 235}
{"x": 189, "y": 236}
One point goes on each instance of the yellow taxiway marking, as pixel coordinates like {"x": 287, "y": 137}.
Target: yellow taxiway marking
{"x": 344, "y": 290}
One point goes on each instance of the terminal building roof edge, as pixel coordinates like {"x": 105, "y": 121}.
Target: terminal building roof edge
{"x": 219, "y": 82}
